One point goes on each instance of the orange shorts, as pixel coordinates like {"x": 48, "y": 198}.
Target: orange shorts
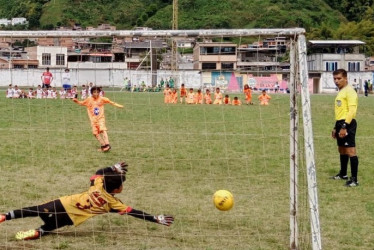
{"x": 98, "y": 128}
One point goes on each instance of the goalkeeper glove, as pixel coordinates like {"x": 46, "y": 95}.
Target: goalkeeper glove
{"x": 165, "y": 220}
{"x": 120, "y": 167}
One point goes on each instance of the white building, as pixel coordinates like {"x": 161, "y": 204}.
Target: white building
{"x": 18, "y": 20}
{"x": 5, "y": 22}
{"x": 49, "y": 56}
{"x": 326, "y": 56}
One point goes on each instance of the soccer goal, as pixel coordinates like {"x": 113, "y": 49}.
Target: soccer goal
{"x": 179, "y": 154}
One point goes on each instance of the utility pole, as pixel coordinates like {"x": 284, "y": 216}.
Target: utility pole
{"x": 174, "y": 53}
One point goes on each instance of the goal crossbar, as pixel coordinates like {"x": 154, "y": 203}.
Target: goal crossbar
{"x": 155, "y": 33}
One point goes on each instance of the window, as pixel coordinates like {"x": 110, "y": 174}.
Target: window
{"x": 18, "y": 66}
{"x": 217, "y": 50}
{"x": 60, "y": 59}
{"x": 227, "y": 66}
{"x": 46, "y": 59}
{"x": 228, "y": 50}
{"x": 32, "y": 66}
{"x": 331, "y": 66}
{"x": 353, "y": 66}
{"x": 209, "y": 66}
{"x": 100, "y": 59}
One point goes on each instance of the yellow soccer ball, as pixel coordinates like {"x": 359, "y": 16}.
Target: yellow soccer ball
{"x": 223, "y": 200}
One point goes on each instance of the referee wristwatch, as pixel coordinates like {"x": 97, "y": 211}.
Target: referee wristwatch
{"x": 344, "y": 125}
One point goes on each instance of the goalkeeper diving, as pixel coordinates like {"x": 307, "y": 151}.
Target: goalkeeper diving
{"x": 77, "y": 208}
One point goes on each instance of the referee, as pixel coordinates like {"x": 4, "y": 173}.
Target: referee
{"x": 345, "y": 127}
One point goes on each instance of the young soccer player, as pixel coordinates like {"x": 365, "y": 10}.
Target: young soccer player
{"x": 183, "y": 93}
{"x": 248, "y": 94}
{"x": 190, "y": 97}
{"x": 17, "y": 92}
{"x": 45, "y": 93}
{"x": 217, "y": 97}
{"x": 227, "y": 100}
{"x": 31, "y": 93}
{"x": 95, "y": 109}
{"x": 102, "y": 92}
{"x": 236, "y": 101}
{"x": 49, "y": 93}
{"x": 174, "y": 96}
{"x": 264, "y": 98}
{"x": 207, "y": 97}
{"x": 74, "y": 92}
{"x": 199, "y": 97}
{"x": 39, "y": 92}
{"x": 90, "y": 85}
{"x": 54, "y": 93}
{"x": 69, "y": 94}
{"x": 62, "y": 93}
{"x": 76, "y": 209}
{"x": 84, "y": 92}
{"x": 10, "y": 91}
{"x": 167, "y": 93}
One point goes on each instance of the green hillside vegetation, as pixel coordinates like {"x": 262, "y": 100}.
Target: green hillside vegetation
{"x": 157, "y": 14}
{"x": 323, "y": 19}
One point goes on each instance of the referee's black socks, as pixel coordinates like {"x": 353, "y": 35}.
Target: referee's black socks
{"x": 343, "y": 165}
{"x": 354, "y": 166}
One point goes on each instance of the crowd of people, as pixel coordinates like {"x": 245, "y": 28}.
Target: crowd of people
{"x": 192, "y": 97}
{"x": 48, "y": 92}
{"x": 171, "y": 95}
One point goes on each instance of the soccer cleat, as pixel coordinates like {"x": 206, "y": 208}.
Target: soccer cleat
{"x": 106, "y": 148}
{"x": 28, "y": 235}
{"x": 339, "y": 177}
{"x": 2, "y": 218}
{"x": 351, "y": 183}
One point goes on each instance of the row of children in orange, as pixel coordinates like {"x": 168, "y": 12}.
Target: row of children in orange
{"x": 171, "y": 96}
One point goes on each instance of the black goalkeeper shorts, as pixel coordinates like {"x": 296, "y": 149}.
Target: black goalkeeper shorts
{"x": 52, "y": 213}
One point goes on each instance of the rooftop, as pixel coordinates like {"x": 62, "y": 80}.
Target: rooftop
{"x": 329, "y": 43}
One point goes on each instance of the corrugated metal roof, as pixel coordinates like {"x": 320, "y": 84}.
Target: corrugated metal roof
{"x": 336, "y": 42}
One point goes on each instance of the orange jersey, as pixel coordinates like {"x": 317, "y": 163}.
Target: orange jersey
{"x": 174, "y": 97}
{"x": 199, "y": 98}
{"x": 167, "y": 93}
{"x": 95, "y": 108}
{"x": 264, "y": 99}
{"x": 217, "y": 98}
{"x": 183, "y": 92}
{"x": 208, "y": 98}
{"x": 248, "y": 94}
{"x": 190, "y": 98}
{"x": 226, "y": 100}
{"x": 236, "y": 102}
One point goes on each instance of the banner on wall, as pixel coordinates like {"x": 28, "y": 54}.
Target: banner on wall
{"x": 267, "y": 82}
{"x": 227, "y": 81}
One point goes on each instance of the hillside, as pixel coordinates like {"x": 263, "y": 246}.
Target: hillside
{"x": 193, "y": 14}
{"x": 323, "y": 19}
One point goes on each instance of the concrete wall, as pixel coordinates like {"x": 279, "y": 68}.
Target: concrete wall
{"x": 102, "y": 77}
{"x": 327, "y": 84}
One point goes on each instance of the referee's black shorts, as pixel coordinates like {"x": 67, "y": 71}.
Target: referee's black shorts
{"x": 350, "y": 139}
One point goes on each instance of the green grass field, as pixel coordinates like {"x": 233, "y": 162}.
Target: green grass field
{"x": 179, "y": 155}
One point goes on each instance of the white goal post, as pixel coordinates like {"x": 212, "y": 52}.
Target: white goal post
{"x": 298, "y": 76}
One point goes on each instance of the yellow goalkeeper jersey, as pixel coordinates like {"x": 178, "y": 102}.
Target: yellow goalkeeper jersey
{"x": 95, "y": 201}
{"x": 346, "y": 103}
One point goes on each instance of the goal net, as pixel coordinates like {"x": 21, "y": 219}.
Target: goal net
{"x": 178, "y": 154}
